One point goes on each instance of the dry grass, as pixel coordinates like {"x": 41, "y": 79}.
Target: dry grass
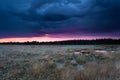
{"x": 104, "y": 71}
{"x": 42, "y": 65}
{"x": 2, "y": 65}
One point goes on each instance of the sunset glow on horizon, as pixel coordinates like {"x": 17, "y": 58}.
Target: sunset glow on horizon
{"x": 48, "y": 39}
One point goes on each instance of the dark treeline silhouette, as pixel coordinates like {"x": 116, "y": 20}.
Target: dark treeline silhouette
{"x": 69, "y": 42}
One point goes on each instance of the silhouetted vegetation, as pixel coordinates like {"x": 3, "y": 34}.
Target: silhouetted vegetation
{"x": 70, "y": 42}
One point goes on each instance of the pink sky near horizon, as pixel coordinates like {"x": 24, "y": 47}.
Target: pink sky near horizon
{"x": 48, "y": 38}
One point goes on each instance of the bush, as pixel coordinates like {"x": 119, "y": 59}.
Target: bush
{"x": 81, "y": 59}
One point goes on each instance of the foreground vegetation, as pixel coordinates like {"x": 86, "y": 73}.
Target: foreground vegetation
{"x": 59, "y": 62}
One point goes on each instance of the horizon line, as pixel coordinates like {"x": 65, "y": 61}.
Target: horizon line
{"x": 22, "y": 40}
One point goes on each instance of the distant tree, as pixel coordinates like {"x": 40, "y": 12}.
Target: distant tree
{"x": 69, "y": 42}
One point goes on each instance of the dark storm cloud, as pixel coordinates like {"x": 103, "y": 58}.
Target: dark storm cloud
{"x": 39, "y": 17}
{"x": 58, "y": 10}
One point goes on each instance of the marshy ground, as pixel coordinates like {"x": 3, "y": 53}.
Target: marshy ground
{"x": 59, "y": 62}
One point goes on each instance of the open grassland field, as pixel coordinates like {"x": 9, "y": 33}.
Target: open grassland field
{"x": 59, "y": 62}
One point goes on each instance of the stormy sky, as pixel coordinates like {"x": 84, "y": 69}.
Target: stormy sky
{"x": 59, "y": 18}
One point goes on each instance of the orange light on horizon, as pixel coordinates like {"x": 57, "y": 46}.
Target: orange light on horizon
{"x": 30, "y": 39}
{"x": 47, "y": 39}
